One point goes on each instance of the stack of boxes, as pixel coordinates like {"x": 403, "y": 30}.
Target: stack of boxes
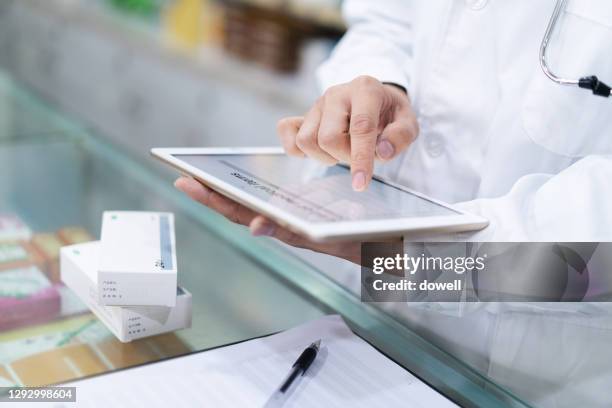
{"x": 129, "y": 278}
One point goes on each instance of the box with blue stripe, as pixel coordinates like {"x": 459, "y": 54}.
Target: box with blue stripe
{"x": 79, "y": 271}
{"x": 137, "y": 264}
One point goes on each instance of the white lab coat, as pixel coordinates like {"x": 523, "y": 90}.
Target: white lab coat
{"x": 497, "y": 136}
{"x": 500, "y": 139}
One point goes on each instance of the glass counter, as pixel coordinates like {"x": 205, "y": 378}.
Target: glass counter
{"x": 58, "y": 177}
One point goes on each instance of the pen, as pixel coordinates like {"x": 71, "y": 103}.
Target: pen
{"x": 298, "y": 369}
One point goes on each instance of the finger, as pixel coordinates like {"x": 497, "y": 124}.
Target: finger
{"x": 261, "y": 226}
{"x": 228, "y": 208}
{"x": 306, "y": 139}
{"x": 333, "y": 136}
{"x": 396, "y": 137}
{"x": 193, "y": 189}
{"x": 366, "y": 103}
{"x": 287, "y": 130}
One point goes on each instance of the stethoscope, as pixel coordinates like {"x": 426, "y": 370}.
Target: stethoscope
{"x": 587, "y": 82}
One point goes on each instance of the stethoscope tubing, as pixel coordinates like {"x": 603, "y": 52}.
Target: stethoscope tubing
{"x": 559, "y": 7}
{"x": 587, "y": 82}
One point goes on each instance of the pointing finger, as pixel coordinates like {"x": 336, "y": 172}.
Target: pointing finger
{"x": 366, "y": 103}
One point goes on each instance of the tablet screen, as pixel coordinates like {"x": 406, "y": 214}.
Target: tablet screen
{"x": 313, "y": 192}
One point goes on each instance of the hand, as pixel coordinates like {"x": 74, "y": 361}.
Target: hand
{"x": 355, "y": 123}
{"x": 260, "y": 225}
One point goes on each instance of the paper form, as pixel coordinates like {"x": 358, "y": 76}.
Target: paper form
{"x": 347, "y": 372}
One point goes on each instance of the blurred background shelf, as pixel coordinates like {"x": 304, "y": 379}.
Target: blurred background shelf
{"x": 322, "y": 13}
{"x": 148, "y": 73}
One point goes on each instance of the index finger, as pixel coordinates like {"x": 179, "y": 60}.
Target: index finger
{"x": 366, "y": 103}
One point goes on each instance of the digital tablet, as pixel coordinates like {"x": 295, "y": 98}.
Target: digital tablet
{"x": 313, "y": 200}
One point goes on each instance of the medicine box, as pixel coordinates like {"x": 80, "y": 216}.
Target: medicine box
{"x": 79, "y": 265}
{"x": 137, "y": 259}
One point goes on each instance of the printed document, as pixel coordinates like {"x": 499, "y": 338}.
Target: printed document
{"x": 348, "y": 372}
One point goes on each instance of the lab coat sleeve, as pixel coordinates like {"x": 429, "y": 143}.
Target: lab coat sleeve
{"x": 378, "y": 43}
{"x": 573, "y": 205}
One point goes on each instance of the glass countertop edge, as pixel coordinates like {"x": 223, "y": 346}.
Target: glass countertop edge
{"x": 41, "y": 107}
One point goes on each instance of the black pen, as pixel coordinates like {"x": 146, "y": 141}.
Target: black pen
{"x": 298, "y": 369}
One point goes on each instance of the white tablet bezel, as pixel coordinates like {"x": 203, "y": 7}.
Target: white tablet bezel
{"x": 320, "y": 232}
